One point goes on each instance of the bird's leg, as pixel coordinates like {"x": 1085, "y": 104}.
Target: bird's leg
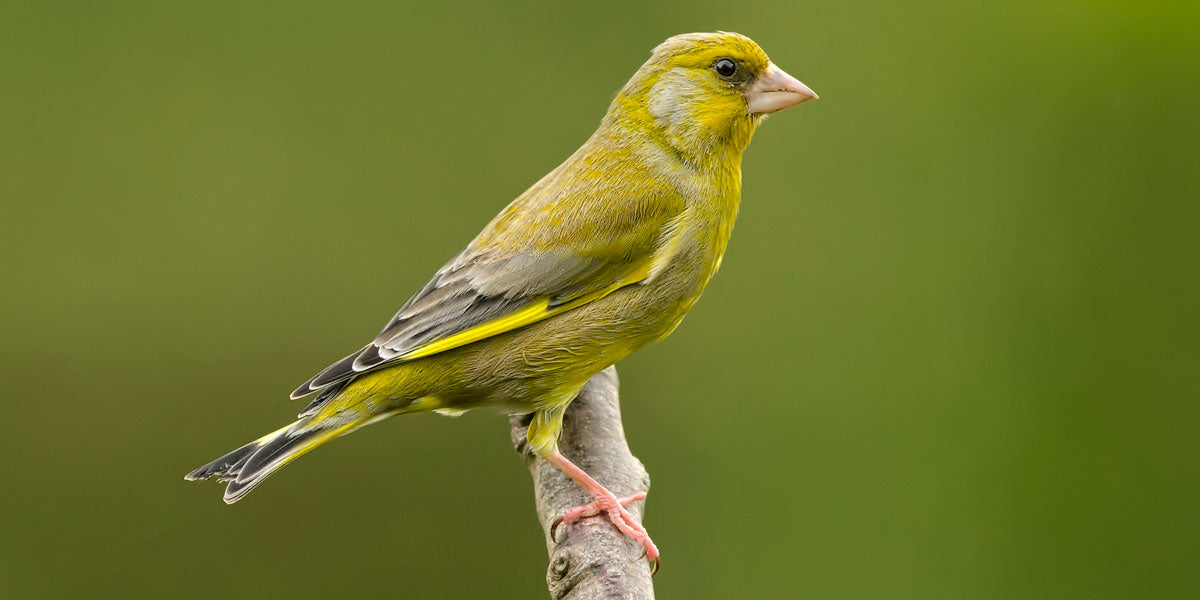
{"x": 542, "y": 438}
{"x": 607, "y": 502}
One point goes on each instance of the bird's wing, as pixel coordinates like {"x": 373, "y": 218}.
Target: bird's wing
{"x": 562, "y": 259}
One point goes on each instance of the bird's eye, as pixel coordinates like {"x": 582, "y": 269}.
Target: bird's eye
{"x": 725, "y": 67}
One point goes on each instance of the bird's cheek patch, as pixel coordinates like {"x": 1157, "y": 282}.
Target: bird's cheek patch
{"x": 672, "y": 98}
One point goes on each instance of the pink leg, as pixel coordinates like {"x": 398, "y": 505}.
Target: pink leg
{"x": 606, "y": 501}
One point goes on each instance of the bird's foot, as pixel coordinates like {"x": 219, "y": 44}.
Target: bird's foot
{"x": 615, "y": 507}
{"x": 595, "y": 508}
{"x": 606, "y": 502}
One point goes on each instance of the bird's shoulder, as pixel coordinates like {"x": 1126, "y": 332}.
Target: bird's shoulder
{"x": 606, "y": 204}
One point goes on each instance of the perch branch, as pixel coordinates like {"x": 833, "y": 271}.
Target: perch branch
{"x": 591, "y": 559}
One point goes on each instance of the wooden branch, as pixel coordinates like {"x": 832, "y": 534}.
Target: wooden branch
{"x": 591, "y": 559}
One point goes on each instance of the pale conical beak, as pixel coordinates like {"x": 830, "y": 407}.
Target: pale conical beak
{"x": 775, "y": 90}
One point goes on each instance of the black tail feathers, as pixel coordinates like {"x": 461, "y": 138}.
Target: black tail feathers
{"x": 249, "y": 465}
{"x": 227, "y": 467}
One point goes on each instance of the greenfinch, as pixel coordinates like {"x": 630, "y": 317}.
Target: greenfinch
{"x": 602, "y": 256}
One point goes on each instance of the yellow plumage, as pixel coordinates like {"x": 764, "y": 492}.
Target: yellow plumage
{"x": 602, "y": 256}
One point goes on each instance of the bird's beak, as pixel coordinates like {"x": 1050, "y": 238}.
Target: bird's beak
{"x": 775, "y": 90}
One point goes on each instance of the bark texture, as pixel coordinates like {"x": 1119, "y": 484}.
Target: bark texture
{"x": 590, "y": 559}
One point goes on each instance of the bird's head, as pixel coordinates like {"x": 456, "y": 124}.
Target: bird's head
{"x": 703, "y": 93}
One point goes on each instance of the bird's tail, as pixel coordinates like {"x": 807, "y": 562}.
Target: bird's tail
{"x": 249, "y": 465}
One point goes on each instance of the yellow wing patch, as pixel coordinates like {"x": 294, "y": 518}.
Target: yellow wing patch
{"x": 535, "y": 312}
{"x": 540, "y": 309}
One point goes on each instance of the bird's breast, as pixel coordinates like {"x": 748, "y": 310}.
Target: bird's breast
{"x": 685, "y": 265}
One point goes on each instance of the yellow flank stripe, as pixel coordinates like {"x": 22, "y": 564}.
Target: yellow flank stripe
{"x": 537, "y": 311}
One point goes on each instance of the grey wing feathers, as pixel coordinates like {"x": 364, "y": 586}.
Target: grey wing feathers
{"x": 470, "y": 290}
{"x": 474, "y": 292}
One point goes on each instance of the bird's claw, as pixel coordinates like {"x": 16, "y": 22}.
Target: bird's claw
{"x": 657, "y": 562}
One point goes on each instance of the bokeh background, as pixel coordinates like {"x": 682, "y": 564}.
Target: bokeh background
{"x": 952, "y": 352}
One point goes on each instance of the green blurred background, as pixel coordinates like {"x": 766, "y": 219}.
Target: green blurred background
{"x": 952, "y": 352}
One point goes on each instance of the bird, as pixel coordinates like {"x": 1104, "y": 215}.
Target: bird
{"x": 600, "y": 257}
